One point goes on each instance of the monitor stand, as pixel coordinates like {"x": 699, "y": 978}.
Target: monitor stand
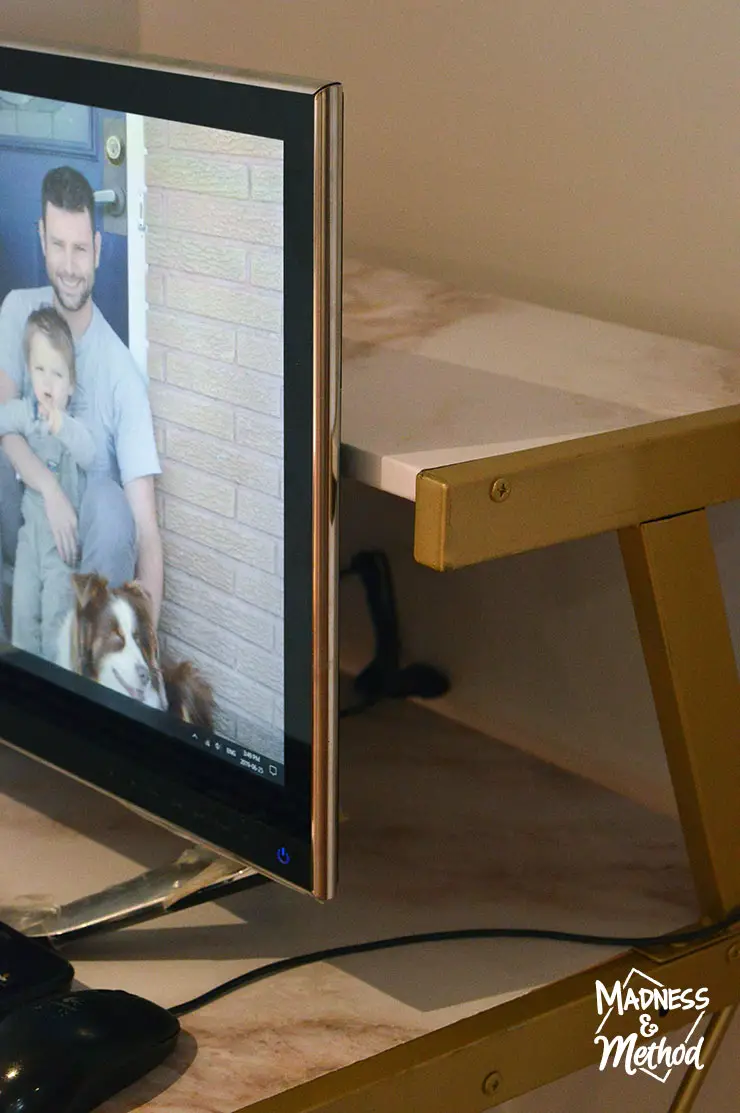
{"x": 198, "y": 875}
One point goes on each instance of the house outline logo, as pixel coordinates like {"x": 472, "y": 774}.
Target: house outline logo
{"x": 651, "y": 1000}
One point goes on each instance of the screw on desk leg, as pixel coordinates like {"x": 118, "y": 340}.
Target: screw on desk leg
{"x": 500, "y": 490}
{"x": 491, "y": 1083}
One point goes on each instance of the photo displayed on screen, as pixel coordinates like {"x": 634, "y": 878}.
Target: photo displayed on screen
{"x": 141, "y": 430}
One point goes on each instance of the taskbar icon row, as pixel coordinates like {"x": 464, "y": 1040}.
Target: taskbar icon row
{"x": 238, "y": 754}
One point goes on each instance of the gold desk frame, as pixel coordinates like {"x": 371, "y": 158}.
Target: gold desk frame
{"x": 652, "y": 483}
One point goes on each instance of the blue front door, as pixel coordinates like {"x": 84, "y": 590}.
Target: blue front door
{"x": 35, "y": 136}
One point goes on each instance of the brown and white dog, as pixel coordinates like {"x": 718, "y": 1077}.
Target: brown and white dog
{"x": 109, "y": 636}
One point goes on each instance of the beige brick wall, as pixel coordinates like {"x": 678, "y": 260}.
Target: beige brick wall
{"x": 215, "y": 318}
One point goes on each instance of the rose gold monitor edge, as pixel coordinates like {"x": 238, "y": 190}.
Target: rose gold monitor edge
{"x": 328, "y": 115}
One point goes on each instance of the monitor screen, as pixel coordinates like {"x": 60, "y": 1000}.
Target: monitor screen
{"x": 169, "y": 333}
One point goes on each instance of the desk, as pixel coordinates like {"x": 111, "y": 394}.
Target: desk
{"x": 433, "y": 376}
{"x": 515, "y": 428}
{"x": 446, "y": 829}
{"x": 410, "y": 346}
{"x": 437, "y": 385}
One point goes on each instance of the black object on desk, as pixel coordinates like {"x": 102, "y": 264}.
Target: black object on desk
{"x": 70, "y": 1053}
{"x": 29, "y": 970}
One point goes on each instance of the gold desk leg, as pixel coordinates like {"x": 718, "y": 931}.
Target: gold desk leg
{"x": 680, "y": 613}
{"x": 488, "y": 1059}
{"x": 694, "y": 1079}
{"x": 484, "y": 1061}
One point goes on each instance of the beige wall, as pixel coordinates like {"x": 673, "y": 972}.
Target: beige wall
{"x": 580, "y": 154}
{"x": 108, "y": 24}
{"x": 584, "y": 154}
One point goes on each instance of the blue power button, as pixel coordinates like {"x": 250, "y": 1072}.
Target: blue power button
{"x": 282, "y": 856}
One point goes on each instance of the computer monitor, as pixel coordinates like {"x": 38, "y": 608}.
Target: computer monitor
{"x": 169, "y": 414}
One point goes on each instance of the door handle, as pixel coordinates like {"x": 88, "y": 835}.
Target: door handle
{"x": 113, "y": 199}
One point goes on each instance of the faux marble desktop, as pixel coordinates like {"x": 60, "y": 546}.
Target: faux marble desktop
{"x": 433, "y": 376}
{"x": 445, "y": 829}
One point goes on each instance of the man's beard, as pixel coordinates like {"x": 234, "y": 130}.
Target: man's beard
{"x": 72, "y": 300}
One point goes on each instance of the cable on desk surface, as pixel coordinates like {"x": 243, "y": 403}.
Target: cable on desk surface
{"x": 385, "y": 678}
{"x": 270, "y": 969}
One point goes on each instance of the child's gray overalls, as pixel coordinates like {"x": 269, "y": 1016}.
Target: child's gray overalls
{"x": 42, "y": 585}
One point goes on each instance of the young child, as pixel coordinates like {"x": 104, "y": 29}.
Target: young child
{"x": 42, "y": 586}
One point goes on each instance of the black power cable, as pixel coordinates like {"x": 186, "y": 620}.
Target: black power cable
{"x": 385, "y": 678}
{"x": 692, "y": 935}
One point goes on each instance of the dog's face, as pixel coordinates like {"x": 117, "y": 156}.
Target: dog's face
{"x": 114, "y": 641}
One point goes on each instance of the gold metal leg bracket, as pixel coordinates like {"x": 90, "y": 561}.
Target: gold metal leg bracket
{"x": 486, "y": 1060}
{"x": 677, "y": 596}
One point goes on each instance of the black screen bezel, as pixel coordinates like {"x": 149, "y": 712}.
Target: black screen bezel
{"x": 192, "y": 790}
